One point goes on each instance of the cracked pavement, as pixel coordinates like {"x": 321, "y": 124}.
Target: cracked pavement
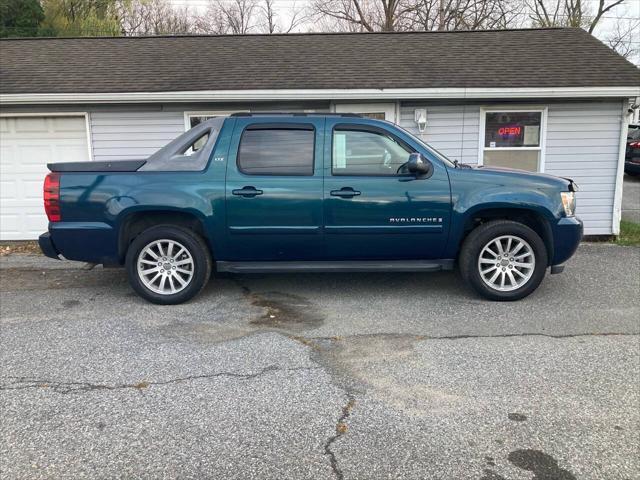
{"x": 325, "y": 376}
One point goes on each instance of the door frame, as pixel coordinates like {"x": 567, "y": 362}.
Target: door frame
{"x": 390, "y": 109}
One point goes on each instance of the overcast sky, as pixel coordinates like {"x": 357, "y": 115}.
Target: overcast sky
{"x": 626, "y": 13}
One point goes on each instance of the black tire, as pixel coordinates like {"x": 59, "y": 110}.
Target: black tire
{"x": 196, "y": 248}
{"x": 480, "y": 237}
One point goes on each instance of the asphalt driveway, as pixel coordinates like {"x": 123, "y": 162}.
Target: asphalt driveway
{"x": 321, "y": 376}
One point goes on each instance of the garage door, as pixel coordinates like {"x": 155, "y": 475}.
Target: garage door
{"x": 27, "y": 144}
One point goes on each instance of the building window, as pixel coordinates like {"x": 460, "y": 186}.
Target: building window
{"x": 276, "y": 152}
{"x": 513, "y": 139}
{"x": 192, "y": 119}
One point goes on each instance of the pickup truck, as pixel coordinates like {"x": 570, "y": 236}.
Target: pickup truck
{"x": 307, "y": 193}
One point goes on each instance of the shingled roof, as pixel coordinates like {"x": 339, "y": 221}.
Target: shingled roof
{"x": 564, "y": 57}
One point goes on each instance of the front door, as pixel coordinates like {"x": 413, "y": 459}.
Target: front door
{"x": 274, "y": 190}
{"x": 372, "y": 209}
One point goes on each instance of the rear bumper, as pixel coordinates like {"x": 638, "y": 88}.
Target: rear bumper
{"x": 92, "y": 242}
{"x": 567, "y": 236}
{"x": 47, "y": 246}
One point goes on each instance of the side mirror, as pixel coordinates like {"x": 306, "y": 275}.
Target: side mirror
{"x": 418, "y": 165}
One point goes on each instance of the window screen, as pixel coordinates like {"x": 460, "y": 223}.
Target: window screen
{"x": 276, "y": 152}
{"x": 358, "y": 152}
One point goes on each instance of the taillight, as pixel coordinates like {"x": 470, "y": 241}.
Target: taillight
{"x": 634, "y": 144}
{"x": 52, "y": 197}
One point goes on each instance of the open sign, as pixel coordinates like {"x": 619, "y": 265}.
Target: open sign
{"x": 509, "y": 131}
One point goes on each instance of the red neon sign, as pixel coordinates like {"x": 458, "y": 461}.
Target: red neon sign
{"x": 509, "y": 131}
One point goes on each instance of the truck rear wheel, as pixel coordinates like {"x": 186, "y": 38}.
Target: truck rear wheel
{"x": 168, "y": 265}
{"x": 503, "y": 260}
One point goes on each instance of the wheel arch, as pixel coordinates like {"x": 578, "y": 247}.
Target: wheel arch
{"x": 134, "y": 223}
{"x": 530, "y": 217}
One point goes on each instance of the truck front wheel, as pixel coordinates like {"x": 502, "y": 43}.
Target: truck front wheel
{"x": 503, "y": 260}
{"x": 168, "y": 264}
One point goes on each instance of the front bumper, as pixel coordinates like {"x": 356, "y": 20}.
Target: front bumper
{"x": 567, "y": 236}
{"x": 47, "y": 246}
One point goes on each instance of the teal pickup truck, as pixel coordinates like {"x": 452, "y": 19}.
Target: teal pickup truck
{"x": 307, "y": 193}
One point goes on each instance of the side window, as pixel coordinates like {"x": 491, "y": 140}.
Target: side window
{"x": 357, "y": 152}
{"x": 197, "y": 145}
{"x": 276, "y": 151}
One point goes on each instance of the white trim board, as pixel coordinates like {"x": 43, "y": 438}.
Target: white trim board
{"x": 617, "y": 197}
{"x": 321, "y": 94}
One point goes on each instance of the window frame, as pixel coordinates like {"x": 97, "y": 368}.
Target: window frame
{"x": 359, "y": 127}
{"x": 206, "y": 113}
{"x": 543, "y": 110}
{"x": 302, "y": 126}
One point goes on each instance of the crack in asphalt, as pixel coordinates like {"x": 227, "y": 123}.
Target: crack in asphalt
{"x": 463, "y": 337}
{"x": 22, "y": 383}
{"x": 341, "y": 429}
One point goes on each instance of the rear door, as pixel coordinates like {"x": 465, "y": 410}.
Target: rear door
{"x": 274, "y": 190}
{"x": 371, "y": 210}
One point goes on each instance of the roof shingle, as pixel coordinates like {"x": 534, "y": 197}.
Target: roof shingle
{"x": 563, "y": 57}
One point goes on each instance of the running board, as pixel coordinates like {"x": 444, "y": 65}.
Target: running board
{"x": 337, "y": 266}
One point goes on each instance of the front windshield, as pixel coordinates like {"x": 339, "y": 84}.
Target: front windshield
{"x": 429, "y": 148}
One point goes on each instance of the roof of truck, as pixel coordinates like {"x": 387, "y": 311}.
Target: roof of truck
{"x": 551, "y": 57}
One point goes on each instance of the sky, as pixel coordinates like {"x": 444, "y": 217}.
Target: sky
{"x": 626, "y": 13}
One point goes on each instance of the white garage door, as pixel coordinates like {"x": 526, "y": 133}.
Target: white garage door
{"x": 27, "y": 144}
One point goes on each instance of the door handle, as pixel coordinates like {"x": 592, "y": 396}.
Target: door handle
{"x": 248, "y": 192}
{"x": 345, "y": 192}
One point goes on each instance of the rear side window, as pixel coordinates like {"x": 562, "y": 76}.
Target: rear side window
{"x": 276, "y": 151}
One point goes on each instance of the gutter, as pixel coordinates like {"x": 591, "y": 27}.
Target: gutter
{"x": 321, "y": 94}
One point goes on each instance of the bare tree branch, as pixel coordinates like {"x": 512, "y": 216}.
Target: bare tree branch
{"x": 621, "y": 39}
{"x": 232, "y": 16}
{"x": 602, "y": 9}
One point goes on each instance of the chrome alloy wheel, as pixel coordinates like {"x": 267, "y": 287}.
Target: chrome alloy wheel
{"x": 506, "y": 263}
{"x": 165, "y": 267}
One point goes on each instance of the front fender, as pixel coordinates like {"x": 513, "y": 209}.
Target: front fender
{"x": 468, "y": 206}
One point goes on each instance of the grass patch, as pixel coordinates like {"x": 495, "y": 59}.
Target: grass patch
{"x": 629, "y": 233}
{"x": 19, "y": 246}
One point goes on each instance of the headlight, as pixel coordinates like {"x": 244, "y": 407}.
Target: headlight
{"x": 569, "y": 203}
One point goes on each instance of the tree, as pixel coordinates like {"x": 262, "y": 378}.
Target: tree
{"x": 569, "y": 13}
{"x": 20, "y": 18}
{"x": 152, "y": 17}
{"x": 271, "y": 22}
{"x": 367, "y": 15}
{"x": 80, "y": 17}
{"x": 402, "y": 15}
{"x": 464, "y": 14}
{"x": 235, "y": 17}
{"x": 621, "y": 38}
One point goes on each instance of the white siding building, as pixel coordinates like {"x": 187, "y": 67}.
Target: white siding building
{"x": 556, "y": 115}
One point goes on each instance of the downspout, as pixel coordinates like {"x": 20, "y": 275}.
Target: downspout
{"x": 622, "y": 147}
